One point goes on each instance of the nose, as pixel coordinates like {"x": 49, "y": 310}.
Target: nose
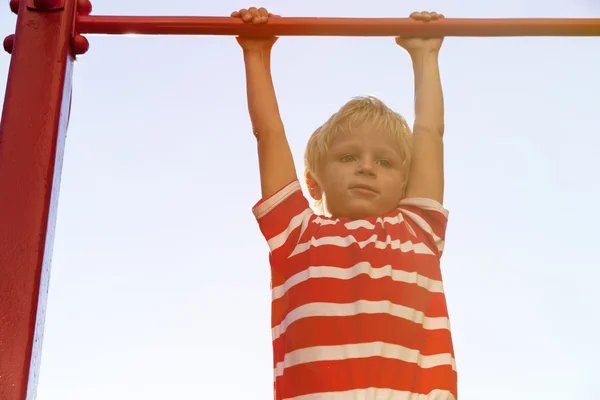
{"x": 365, "y": 167}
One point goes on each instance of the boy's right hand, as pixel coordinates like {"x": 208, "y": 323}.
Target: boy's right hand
{"x": 256, "y": 17}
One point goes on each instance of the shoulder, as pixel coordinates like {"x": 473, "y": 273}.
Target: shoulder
{"x": 427, "y": 219}
{"x": 425, "y": 205}
{"x": 283, "y": 218}
{"x": 289, "y": 197}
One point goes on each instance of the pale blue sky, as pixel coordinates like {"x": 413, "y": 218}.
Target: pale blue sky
{"x": 160, "y": 280}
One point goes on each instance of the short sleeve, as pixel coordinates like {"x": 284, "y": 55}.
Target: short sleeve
{"x": 428, "y": 220}
{"x": 283, "y": 218}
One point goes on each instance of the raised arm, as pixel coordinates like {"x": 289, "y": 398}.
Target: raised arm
{"x": 276, "y": 162}
{"x": 426, "y": 178}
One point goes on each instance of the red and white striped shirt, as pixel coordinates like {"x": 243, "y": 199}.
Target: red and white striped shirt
{"x": 358, "y": 307}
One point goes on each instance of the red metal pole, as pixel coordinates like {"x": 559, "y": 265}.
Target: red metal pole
{"x": 32, "y": 141}
{"x": 117, "y": 25}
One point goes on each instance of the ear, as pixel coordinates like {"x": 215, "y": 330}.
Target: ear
{"x": 313, "y": 187}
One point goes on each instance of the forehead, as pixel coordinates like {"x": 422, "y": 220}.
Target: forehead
{"x": 364, "y": 136}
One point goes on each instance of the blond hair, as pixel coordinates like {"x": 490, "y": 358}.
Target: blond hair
{"x": 359, "y": 110}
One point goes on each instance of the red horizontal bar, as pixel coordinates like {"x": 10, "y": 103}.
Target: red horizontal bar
{"x": 118, "y": 25}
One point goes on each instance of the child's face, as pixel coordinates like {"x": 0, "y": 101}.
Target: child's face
{"x": 361, "y": 176}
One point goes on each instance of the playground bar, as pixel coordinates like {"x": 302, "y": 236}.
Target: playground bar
{"x": 32, "y": 141}
{"x": 119, "y": 25}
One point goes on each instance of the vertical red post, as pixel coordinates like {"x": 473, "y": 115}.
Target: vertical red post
{"x": 32, "y": 142}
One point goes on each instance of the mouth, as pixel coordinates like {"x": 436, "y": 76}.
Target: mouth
{"x": 364, "y": 188}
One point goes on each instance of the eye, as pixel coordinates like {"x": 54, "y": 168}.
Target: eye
{"x": 347, "y": 158}
{"x": 385, "y": 163}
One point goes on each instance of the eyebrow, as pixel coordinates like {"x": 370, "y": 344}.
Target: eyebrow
{"x": 346, "y": 146}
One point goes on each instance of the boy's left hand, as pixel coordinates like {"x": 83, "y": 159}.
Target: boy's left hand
{"x": 414, "y": 45}
{"x": 255, "y": 16}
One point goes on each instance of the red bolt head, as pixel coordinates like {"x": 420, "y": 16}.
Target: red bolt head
{"x": 14, "y": 6}
{"x": 84, "y": 7}
{"x": 80, "y": 45}
{"x": 9, "y": 43}
{"x": 46, "y": 4}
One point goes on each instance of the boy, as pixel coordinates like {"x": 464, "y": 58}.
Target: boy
{"x": 358, "y": 307}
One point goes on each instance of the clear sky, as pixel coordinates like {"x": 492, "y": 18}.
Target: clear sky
{"x": 160, "y": 280}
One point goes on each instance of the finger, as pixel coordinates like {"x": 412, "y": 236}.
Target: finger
{"x": 264, "y": 14}
{"x": 274, "y": 15}
{"x": 425, "y": 16}
{"x": 255, "y": 15}
{"x": 434, "y": 16}
{"x": 246, "y": 16}
{"x": 416, "y": 15}
{"x": 235, "y": 14}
